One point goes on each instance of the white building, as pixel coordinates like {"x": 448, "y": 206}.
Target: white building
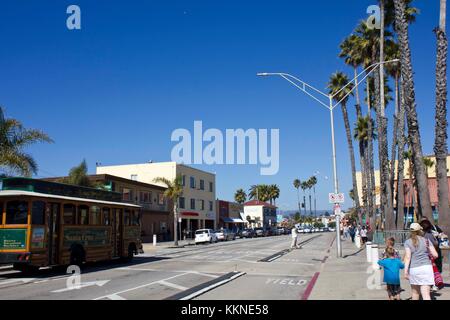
{"x": 261, "y": 213}
{"x": 197, "y": 204}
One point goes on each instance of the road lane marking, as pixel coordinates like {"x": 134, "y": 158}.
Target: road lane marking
{"x": 286, "y": 282}
{"x": 82, "y": 285}
{"x": 140, "y": 287}
{"x": 172, "y": 285}
{"x": 116, "y": 297}
{"x": 23, "y": 280}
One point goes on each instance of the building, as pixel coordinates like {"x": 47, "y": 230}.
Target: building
{"x": 261, "y": 214}
{"x": 197, "y": 204}
{"x": 410, "y": 194}
{"x": 230, "y": 215}
{"x": 157, "y": 211}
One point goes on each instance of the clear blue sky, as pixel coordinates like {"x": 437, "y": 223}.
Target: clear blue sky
{"x": 114, "y": 91}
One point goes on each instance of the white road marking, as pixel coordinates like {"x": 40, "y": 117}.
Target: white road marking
{"x": 140, "y": 287}
{"x": 172, "y": 285}
{"x": 115, "y": 297}
{"x": 176, "y": 271}
{"x": 213, "y": 286}
{"x": 24, "y": 280}
{"x": 83, "y": 285}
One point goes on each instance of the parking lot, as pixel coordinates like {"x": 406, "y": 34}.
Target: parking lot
{"x": 259, "y": 268}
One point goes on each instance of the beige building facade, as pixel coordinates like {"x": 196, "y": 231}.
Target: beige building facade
{"x": 197, "y": 207}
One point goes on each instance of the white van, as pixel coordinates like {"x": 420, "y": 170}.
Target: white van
{"x": 204, "y": 236}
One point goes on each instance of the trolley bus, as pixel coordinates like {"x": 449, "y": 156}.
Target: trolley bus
{"x": 46, "y": 224}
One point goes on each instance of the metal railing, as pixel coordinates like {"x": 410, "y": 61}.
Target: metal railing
{"x": 400, "y": 236}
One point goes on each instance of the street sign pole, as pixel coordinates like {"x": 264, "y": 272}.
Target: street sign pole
{"x": 336, "y": 185}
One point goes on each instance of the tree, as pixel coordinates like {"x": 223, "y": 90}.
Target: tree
{"x": 273, "y": 193}
{"x": 297, "y": 184}
{"x": 240, "y": 196}
{"x": 173, "y": 192}
{"x": 428, "y": 165}
{"x": 297, "y": 217}
{"x": 440, "y": 144}
{"x": 313, "y": 181}
{"x": 401, "y": 25}
{"x": 78, "y": 176}
{"x": 338, "y": 81}
{"x": 304, "y": 187}
{"x": 400, "y": 198}
{"x": 14, "y": 138}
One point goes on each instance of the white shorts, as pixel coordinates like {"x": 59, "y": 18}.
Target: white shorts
{"x": 422, "y": 276}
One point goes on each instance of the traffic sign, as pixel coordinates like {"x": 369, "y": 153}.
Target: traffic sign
{"x": 336, "y": 197}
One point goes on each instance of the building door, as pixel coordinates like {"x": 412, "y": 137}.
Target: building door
{"x": 53, "y": 233}
{"x": 116, "y": 232}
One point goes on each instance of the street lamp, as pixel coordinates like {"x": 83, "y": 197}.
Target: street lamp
{"x": 311, "y": 91}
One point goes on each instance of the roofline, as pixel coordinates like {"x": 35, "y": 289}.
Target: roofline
{"x": 163, "y": 162}
{"x": 10, "y": 193}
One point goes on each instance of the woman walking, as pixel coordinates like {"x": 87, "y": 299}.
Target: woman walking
{"x": 418, "y": 267}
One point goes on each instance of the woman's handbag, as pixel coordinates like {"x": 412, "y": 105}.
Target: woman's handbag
{"x": 438, "y": 280}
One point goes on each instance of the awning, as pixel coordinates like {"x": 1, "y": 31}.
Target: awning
{"x": 232, "y": 220}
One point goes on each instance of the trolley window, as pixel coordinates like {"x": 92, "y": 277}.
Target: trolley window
{"x": 17, "y": 212}
{"x": 83, "y": 215}
{"x": 38, "y": 212}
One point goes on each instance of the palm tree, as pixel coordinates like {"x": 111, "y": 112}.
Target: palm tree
{"x": 304, "y": 187}
{"x": 440, "y": 144}
{"x": 274, "y": 193}
{"x": 313, "y": 180}
{"x": 240, "y": 196}
{"x": 401, "y": 25}
{"x": 173, "y": 192}
{"x": 79, "y": 176}
{"x": 363, "y": 127}
{"x": 297, "y": 184}
{"x": 14, "y": 138}
{"x": 337, "y": 81}
{"x": 400, "y": 198}
{"x": 428, "y": 165}
{"x": 309, "y": 186}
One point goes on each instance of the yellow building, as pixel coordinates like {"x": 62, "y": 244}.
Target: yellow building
{"x": 406, "y": 173}
{"x": 197, "y": 204}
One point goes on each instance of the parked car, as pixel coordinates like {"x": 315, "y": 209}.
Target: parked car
{"x": 247, "y": 233}
{"x": 307, "y": 230}
{"x": 280, "y": 231}
{"x": 225, "y": 235}
{"x": 204, "y": 236}
{"x": 259, "y": 232}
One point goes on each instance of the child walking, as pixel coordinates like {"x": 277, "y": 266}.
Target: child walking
{"x": 392, "y": 267}
{"x": 390, "y": 243}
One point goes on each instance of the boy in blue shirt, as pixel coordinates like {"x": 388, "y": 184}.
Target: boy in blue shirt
{"x": 392, "y": 267}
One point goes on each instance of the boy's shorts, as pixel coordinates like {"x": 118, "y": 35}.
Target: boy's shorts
{"x": 394, "y": 289}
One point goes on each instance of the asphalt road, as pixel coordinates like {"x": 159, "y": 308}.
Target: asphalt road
{"x": 261, "y": 269}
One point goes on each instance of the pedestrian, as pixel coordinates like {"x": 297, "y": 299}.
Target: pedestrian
{"x": 294, "y": 236}
{"x": 391, "y": 266}
{"x": 363, "y": 234}
{"x": 346, "y": 234}
{"x": 390, "y": 243}
{"x": 352, "y": 232}
{"x": 418, "y": 266}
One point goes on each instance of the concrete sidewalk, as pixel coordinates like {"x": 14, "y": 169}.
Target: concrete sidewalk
{"x": 352, "y": 278}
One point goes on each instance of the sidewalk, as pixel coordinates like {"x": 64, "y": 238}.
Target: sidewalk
{"x": 148, "y": 247}
{"x": 352, "y": 278}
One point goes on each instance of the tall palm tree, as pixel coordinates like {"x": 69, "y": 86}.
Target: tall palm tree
{"x": 79, "y": 176}
{"x": 297, "y": 184}
{"x": 309, "y": 186}
{"x": 400, "y": 197}
{"x": 363, "y": 133}
{"x": 337, "y": 81}
{"x": 411, "y": 112}
{"x": 173, "y": 192}
{"x": 14, "y": 138}
{"x": 313, "y": 181}
{"x": 240, "y": 196}
{"x": 440, "y": 144}
{"x": 274, "y": 193}
{"x": 304, "y": 187}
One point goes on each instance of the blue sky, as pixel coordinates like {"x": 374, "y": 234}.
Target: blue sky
{"x": 114, "y": 91}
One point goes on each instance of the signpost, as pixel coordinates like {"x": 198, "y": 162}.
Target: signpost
{"x": 336, "y": 198}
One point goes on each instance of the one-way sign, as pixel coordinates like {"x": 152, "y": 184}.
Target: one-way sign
{"x": 336, "y": 197}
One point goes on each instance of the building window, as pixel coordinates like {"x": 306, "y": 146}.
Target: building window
{"x": 211, "y": 206}
{"x": 202, "y": 204}
{"x": 38, "y": 212}
{"x": 202, "y": 184}
{"x": 17, "y": 212}
{"x": 69, "y": 213}
{"x": 183, "y": 180}
{"x": 193, "y": 204}
{"x": 127, "y": 194}
{"x": 160, "y": 199}
{"x": 192, "y": 182}
{"x": 182, "y": 204}
{"x": 211, "y": 187}
{"x": 145, "y": 197}
{"x": 134, "y": 177}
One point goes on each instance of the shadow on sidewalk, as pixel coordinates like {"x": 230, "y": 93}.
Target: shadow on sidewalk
{"x": 353, "y": 254}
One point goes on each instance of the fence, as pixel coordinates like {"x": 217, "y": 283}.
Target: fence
{"x": 400, "y": 236}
